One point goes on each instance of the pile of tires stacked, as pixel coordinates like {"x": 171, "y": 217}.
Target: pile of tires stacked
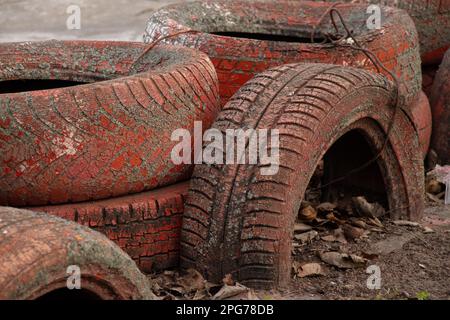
{"x": 279, "y": 68}
{"x": 85, "y": 135}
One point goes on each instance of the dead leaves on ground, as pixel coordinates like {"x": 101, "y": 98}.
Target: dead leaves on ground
{"x": 174, "y": 285}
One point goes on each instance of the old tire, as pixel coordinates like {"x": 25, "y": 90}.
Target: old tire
{"x": 238, "y": 58}
{"x": 432, "y": 20}
{"x": 440, "y": 108}
{"x": 240, "y": 222}
{"x": 422, "y": 118}
{"x": 37, "y": 249}
{"x": 106, "y": 138}
{"x": 145, "y": 225}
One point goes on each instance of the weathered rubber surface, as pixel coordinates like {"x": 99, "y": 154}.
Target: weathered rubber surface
{"x": 440, "y": 108}
{"x": 422, "y": 118}
{"x": 36, "y": 249}
{"x": 238, "y": 59}
{"x": 145, "y": 225}
{"x": 432, "y": 20}
{"x": 101, "y": 139}
{"x": 240, "y": 222}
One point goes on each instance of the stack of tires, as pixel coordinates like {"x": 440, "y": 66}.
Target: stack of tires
{"x": 86, "y": 134}
{"x": 315, "y": 93}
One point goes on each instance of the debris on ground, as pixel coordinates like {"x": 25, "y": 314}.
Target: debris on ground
{"x": 342, "y": 260}
{"x": 438, "y": 184}
{"x": 307, "y": 269}
{"x": 190, "y": 284}
{"x": 367, "y": 209}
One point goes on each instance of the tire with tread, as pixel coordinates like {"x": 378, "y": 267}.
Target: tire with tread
{"x": 440, "y": 108}
{"x": 108, "y": 137}
{"x": 37, "y": 249}
{"x": 238, "y": 221}
{"x": 227, "y": 31}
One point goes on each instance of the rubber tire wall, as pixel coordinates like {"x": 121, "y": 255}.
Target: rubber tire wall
{"x": 237, "y": 60}
{"x": 440, "y": 108}
{"x": 103, "y": 139}
{"x": 37, "y": 249}
{"x": 422, "y": 118}
{"x": 239, "y": 221}
{"x": 145, "y": 225}
{"x": 432, "y": 20}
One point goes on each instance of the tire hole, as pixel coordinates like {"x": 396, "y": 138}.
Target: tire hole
{"x": 66, "y": 294}
{"x": 269, "y": 37}
{"x": 349, "y": 152}
{"x": 15, "y": 86}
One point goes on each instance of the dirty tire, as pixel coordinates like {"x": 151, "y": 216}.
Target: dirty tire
{"x": 239, "y": 221}
{"x": 107, "y": 138}
{"x": 422, "y": 118}
{"x": 432, "y": 20}
{"x": 440, "y": 108}
{"x": 238, "y": 59}
{"x": 145, "y": 225}
{"x": 37, "y": 249}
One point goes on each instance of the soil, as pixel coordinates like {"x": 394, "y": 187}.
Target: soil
{"x": 413, "y": 260}
{"x": 420, "y": 269}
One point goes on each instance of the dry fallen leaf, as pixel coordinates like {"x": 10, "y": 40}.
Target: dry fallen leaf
{"x": 235, "y": 292}
{"x": 406, "y": 223}
{"x": 228, "y": 280}
{"x": 375, "y": 222}
{"x": 308, "y": 269}
{"x": 352, "y": 233}
{"x": 434, "y": 198}
{"x": 301, "y": 227}
{"x": 367, "y": 209}
{"x": 358, "y": 223}
{"x": 433, "y": 186}
{"x": 326, "y": 207}
{"x": 428, "y": 230}
{"x": 306, "y": 237}
{"x": 342, "y": 260}
{"x": 336, "y": 236}
{"x": 307, "y": 213}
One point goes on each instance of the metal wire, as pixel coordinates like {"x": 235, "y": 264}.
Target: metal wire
{"x": 157, "y": 41}
{"x": 342, "y": 42}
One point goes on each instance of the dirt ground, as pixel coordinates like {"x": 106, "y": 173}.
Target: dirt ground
{"x": 414, "y": 263}
{"x": 417, "y": 268}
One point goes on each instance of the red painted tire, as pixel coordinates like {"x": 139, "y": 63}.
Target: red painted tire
{"x": 238, "y": 59}
{"x": 241, "y": 222}
{"x": 146, "y": 225}
{"x": 422, "y": 118}
{"x": 440, "y": 108}
{"x": 37, "y": 249}
{"x": 432, "y": 20}
{"x": 102, "y": 139}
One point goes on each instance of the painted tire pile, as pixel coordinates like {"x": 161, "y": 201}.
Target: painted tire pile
{"x": 86, "y": 135}
{"x": 235, "y": 220}
{"x": 107, "y": 138}
{"x": 104, "y": 139}
{"x": 440, "y": 106}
